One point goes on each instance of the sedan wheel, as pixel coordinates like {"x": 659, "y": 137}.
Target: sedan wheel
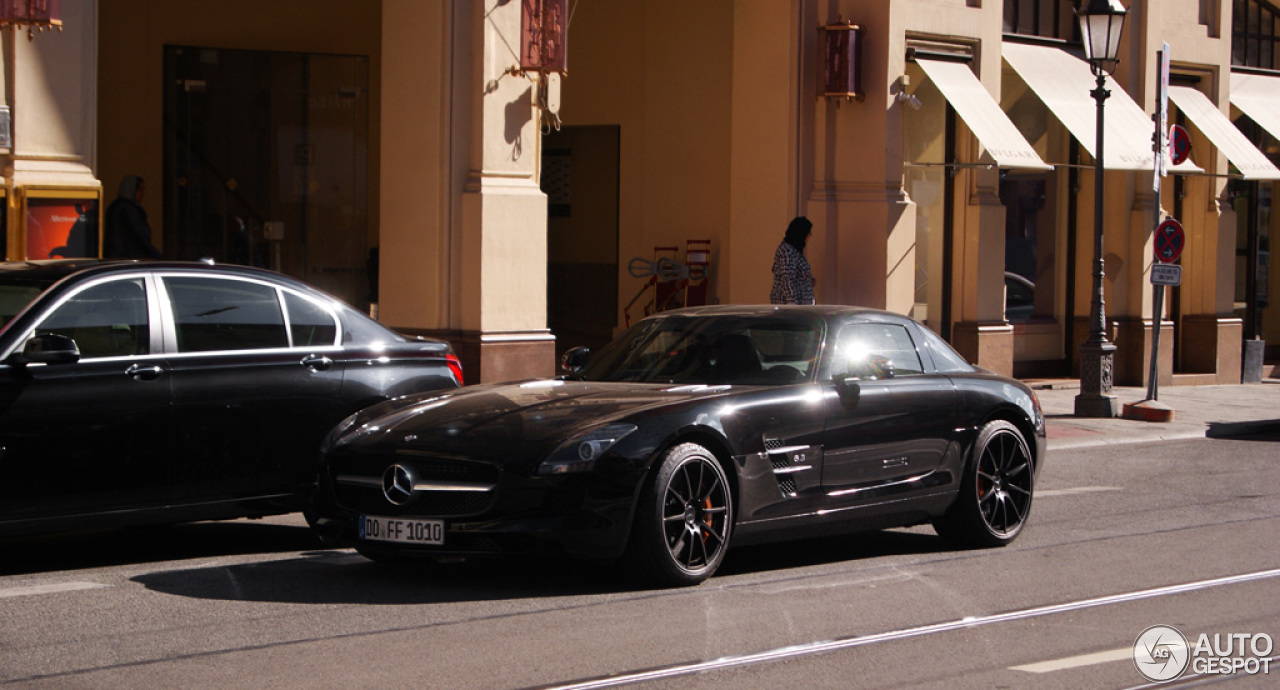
{"x": 684, "y": 518}
{"x": 995, "y": 495}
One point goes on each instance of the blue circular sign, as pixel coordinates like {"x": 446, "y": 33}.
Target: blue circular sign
{"x": 1179, "y": 144}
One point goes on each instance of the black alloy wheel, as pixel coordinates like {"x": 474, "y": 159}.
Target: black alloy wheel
{"x": 995, "y": 495}
{"x": 684, "y": 519}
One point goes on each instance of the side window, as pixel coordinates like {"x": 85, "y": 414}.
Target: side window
{"x": 877, "y": 351}
{"x": 945, "y": 359}
{"x": 214, "y": 314}
{"x": 106, "y": 320}
{"x": 789, "y": 351}
{"x": 309, "y": 323}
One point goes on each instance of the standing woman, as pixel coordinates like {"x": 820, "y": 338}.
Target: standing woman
{"x": 128, "y": 235}
{"x": 792, "y": 278}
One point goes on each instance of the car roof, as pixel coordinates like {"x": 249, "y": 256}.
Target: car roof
{"x": 53, "y": 270}
{"x": 762, "y": 310}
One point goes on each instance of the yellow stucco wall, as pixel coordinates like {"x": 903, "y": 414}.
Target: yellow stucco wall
{"x": 662, "y": 72}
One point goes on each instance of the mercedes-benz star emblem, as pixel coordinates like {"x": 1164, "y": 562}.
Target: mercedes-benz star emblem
{"x": 397, "y": 484}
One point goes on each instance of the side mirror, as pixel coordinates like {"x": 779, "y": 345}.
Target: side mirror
{"x": 847, "y": 388}
{"x": 49, "y": 348}
{"x": 575, "y": 359}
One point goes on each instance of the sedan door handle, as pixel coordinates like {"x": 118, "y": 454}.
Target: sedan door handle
{"x": 144, "y": 373}
{"x": 317, "y": 362}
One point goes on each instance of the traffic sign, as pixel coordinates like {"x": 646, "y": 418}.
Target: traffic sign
{"x": 1166, "y": 274}
{"x": 1179, "y": 144}
{"x": 1169, "y": 241}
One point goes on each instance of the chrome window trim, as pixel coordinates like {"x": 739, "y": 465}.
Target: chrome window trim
{"x": 327, "y": 308}
{"x": 170, "y": 320}
{"x": 328, "y": 349}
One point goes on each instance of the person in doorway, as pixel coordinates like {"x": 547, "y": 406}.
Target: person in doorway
{"x": 792, "y": 277}
{"x": 128, "y": 235}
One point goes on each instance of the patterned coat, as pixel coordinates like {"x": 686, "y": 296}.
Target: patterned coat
{"x": 792, "y": 277}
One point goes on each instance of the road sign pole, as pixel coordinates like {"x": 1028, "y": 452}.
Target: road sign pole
{"x": 1161, "y": 156}
{"x": 1150, "y": 409}
{"x": 1153, "y": 374}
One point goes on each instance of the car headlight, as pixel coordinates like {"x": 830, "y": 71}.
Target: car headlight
{"x": 579, "y": 454}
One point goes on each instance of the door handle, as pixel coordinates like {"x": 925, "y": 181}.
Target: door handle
{"x": 317, "y": 362}
{"x": 139, "y": 372}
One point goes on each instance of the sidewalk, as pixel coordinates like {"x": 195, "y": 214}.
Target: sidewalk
{"x": 1198, "y": 411}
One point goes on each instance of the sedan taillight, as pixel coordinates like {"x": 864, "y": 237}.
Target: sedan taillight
{"x": 455, "y": 366}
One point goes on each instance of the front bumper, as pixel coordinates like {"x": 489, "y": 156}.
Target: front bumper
{"x": 584, "y": 516}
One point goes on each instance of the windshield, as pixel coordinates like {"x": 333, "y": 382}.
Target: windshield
{"x": 731, "y": 350}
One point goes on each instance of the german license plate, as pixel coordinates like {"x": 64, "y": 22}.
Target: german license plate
{"x": 375, "y": 528}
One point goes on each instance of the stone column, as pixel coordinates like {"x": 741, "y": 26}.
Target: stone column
{"x": 464, "y": 240}
{"x": 50, "y": 86}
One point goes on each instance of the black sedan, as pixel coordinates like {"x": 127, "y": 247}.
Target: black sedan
{"x": 696, "y": 429}
{"x": 138, "y": 393}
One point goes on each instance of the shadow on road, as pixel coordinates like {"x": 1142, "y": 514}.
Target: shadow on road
{"x": 342, "y": 577}
{"x": 81, "y": 550}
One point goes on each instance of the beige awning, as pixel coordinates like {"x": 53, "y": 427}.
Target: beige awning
{"x": 1252, "y": 163}
{"x": 982, "y": 114}
{"x": 1064, "y": 82}
{"x": 1259, "y": 97}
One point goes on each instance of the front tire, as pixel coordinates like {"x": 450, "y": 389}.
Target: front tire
{"x": 996, "y": 491}
{"x": 684, "y": 519}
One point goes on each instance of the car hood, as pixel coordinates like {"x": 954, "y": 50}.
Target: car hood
{"x": 529, "y": 414}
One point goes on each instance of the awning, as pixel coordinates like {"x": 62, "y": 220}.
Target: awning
{"x": 1252, "y": 163}
{"x": 1063, "y": 83}
{"x": 982, "y": 114}
{"x": 1259, "y": 98}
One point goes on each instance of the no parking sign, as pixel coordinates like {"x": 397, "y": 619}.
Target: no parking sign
{"x": 1170, "y": 239}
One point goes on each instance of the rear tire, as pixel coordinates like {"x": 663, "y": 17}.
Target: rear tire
{"x": 995, "y": 492}
{"x": 684, "y": 519}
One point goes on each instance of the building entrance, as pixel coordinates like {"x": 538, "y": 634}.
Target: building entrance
{"x": 266, "y": 159}
{"x": 580, "y": 179}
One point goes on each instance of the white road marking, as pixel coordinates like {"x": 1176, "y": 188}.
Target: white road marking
{"x": 1076, "y": 490}
{"x": 1076, "y": 661}
{"x": 812, "y": 648}
{"x": 33, "y": 590}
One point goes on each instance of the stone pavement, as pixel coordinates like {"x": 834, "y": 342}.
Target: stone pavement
{"x": 1198, "y": 411}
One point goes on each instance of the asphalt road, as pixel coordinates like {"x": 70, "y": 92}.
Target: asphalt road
{"x": 1122, "y": 538}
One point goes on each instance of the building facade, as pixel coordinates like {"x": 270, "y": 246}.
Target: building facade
{"x": 394, "y": 153}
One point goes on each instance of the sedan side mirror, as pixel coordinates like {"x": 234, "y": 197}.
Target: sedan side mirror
{"x": 575, "y": 359}
{"x": 48, "y": 348}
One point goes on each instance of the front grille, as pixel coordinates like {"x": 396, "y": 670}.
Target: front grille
{"x": 358, "y": 486}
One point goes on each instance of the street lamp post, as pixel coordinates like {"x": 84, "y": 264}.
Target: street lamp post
{"x": 1100, "y": 25}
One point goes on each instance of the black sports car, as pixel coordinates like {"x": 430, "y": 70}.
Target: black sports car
{"x": 696, "y": 429}
{"x": 162, "y": 392}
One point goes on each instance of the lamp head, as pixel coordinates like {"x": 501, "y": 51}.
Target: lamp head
{"x": 1100, "y": 24}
